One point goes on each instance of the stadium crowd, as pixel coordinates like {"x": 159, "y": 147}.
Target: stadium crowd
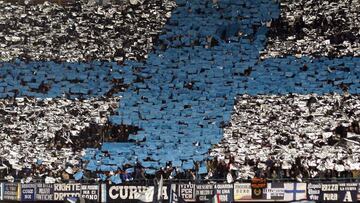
{"x": 219, "y": 170}
{"x": 191, "y": 96}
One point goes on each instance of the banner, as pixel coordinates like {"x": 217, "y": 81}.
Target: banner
{"x": 103, "y": 193}
{"x": 1, "y": 191}
{"x": 187, "y": 192}
{"x": 11, "y": 191}
{"x": 329, "y": 192}
{"x": 340, "y": 192}
{"x": 28, "y": 192}
{"x": 129, "y": 193}
{"x": 204, "y": 192}
{"x": 334, "y": 192}
{"x": 242, "y": 191}
{"x": 275, "y": 191}
{"x": 90, "y": 192}
{"x": 61, "y": 191}
{"x": 173, "y": 196}
{"x": 348, "y": 192}
{"x": 44, "y": 192}
{"x": 295, "y": 191}
{"x": 358, "y": 193}
{"x": 257, "y": 186}
{"x": 239, "y": 192}
{"x": 313, "y": 191}
{"x": 225, "y": 191}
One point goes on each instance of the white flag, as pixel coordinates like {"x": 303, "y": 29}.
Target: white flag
{"x": 160, "y": 188}
{"x": 146, "y": 196}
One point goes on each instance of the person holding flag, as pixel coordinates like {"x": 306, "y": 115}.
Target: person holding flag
{"x": 216, "y": 198}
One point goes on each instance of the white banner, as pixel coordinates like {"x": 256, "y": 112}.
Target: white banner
{"x": 1, "y": 191}
{"x": 103, "y": 193}
{"x": 242, "y": 191}
{"x": 275, "y": 191}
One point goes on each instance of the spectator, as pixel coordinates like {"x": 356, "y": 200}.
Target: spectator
{"x": 139, "y": 171}
{"x": 65, "y": 177}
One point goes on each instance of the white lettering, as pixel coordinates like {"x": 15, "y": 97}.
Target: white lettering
{"x": 62, "y": 196}
{"x": 330, "y": 196}
{"x": 90, "y": 197}
{"x": 113, "y": 195}
{"x": 348, "y": 197}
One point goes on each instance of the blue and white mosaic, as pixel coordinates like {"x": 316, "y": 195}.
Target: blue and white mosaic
{"x": 184, "y": 93}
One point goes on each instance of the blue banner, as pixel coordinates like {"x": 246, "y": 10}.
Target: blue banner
{"x": 44, "y": 192}
{"x": 28, "y": 192}
{"x": 11, "y": 191}
{"x": 348, "y": 192}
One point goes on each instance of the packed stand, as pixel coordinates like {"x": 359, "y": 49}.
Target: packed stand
{"x": 316, "y": 28}
{"x": 298, "y": 136}
{"x": 81, "y": 30}
{"x": 182, "y": 97}
{"x": 53, "y": 110}
{"x": 189, "y": 83}
{"x": 51, "y": 131}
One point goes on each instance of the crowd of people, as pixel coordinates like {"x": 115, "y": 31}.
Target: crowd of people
{"x": 293, "y": 136}
{"x": 317, "y": 28}
{"x": 219, "y": 170}
{"x": 275, "y": 137}
{"x": 78, "y": 30}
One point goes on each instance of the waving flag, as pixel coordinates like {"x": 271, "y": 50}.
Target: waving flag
{"x": 160, "y": 189}
{"x": 146, "y": 196}
{"x": 216, "y": 198}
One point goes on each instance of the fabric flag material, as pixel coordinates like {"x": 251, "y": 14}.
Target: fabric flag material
{"x": 216, "y": 198}
{"x": 242, "y": 191}
{"x": 275, "y": 191}
{"x": 295, "y": 191}
{"x": 174, "y": 197}
{"x": 78, "y": 175}
{"x": 116, "y": 179}
{"x": 1, "y": 191}
{"x": 171, "y": 191}
{"x": 358, "y": 193}
{"x": 78, "y": 200}
{"x": 72, "y": 200}
{"x": 146, "y": 196}
{"x": 160, "y": 188}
